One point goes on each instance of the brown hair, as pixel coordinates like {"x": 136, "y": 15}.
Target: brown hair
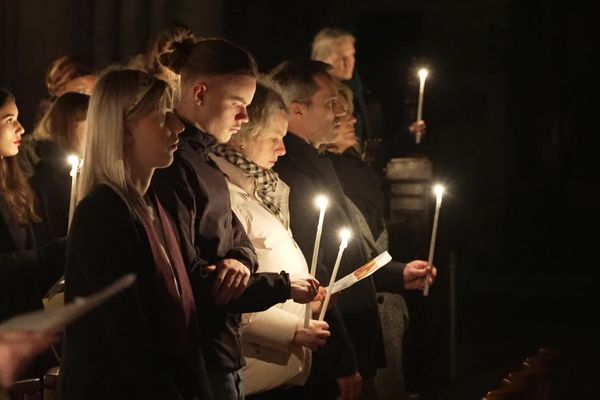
{"x": 63, "y": 70}
{"x": 161, "y": 44}
{"x": 58, "y": 125}
{"x": 13, "y": 186}
{"x": 267, "y": 101}
{"x": 190, "y": 58}
{"x": 297, "y": 79}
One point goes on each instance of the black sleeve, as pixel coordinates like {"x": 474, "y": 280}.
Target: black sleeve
{"x": 390, "y": 278}
{"x": 242, "y": 249}
{"x": 103, "y": 246}
{"x": 264, "y": 290}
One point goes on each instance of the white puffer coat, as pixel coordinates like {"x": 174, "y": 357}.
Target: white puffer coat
{"x": 271, "y": 359}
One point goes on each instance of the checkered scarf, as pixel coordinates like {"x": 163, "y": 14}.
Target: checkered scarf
{"x": 265, "y": 180}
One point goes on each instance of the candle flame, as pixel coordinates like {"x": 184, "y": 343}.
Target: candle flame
{"x": 345, "y": 234}
{"x": 74, "y": 161}
{"x": 321, "y": 201}
{"x": 423, "y": 73}
{"x": 439, "y": 190}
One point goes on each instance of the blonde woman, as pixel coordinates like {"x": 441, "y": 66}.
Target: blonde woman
{"x": 276, "y": 345}
{"x": 144, "y": 343}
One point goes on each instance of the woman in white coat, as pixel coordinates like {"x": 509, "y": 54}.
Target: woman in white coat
{"x": 277, "y": 347}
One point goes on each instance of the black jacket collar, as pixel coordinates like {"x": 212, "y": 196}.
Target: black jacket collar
{"x": 303, "y": 153}
{"x": 198, "y": 140}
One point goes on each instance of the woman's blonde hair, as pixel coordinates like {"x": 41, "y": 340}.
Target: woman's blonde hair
{"x": 120, "y": 96}
{"x": 266, "y": 102}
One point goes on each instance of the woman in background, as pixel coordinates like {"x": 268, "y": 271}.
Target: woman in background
{"x": 26, "y": 270}
{"x": 59, "y": 134}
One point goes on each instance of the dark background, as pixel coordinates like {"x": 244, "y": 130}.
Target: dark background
{"x": 510, "y": 125}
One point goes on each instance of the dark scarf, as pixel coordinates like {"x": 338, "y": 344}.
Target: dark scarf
{"x": 178, "y": 309}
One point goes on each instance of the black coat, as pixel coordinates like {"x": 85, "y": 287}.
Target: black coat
{"x": 51, "y": 183}
{"x": 115, "y": 352}
{"x": 365, "y": 188}
{"x": 363, "y": 185}
{"x": 194, "y": 191}
{"x": 309, "y": 174}
{"x": 26, "y": 271}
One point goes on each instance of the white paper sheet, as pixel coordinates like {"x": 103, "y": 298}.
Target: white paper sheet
{"x": 361, "y": 273}
{"x": 53, "y": 321}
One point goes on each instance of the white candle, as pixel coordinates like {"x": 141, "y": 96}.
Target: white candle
{"x": 322, "y": 202}
{"x": 439, "y": 193}
{"x": 422, "y": 76}
{"x": 74, "y": 161}
{"x": 344, "y": 235}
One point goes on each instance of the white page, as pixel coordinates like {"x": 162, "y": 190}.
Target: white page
{"x": 53, "y": 321}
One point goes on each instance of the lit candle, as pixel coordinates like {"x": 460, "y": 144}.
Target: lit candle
{"x": 322, "y": 202}
{"x": 439, "y": 193}
{"x": 74, "y": 161}
{"x": 345, "y": 236}
{"x": 422, "y": 76}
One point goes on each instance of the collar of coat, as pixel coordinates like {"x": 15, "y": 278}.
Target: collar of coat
{"x": 197, "y": 139}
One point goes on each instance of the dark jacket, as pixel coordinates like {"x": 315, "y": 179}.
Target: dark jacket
{"x": 116, "y": 351}
{"x": 26, "y": 271}
{"x": 309, "y": 174}
{"x": 194, "y": 191}
{"x": 51, "y": 183}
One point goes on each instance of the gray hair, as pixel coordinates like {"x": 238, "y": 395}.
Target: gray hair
{"x": 324, "y": 40}
{"x": 266, "y": 102}
{"x": 297, "y": 79}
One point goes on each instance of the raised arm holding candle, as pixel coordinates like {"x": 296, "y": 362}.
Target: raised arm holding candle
{"x": 345, "y": 236}
{"x": 439, "y": 193}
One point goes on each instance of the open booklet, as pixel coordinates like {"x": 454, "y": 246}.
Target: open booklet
{"x": 54, "y": 320}
{"x": 362, "y": 272}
